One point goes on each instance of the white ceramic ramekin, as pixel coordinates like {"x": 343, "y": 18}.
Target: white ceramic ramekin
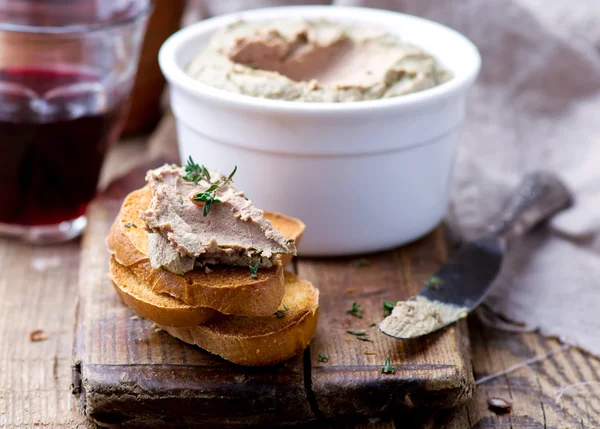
{"x": 363, "y": 176}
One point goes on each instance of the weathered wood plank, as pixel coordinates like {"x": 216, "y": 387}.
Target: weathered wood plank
{"x": 532, "y": 389}
{"x": 432, "y": 371}
{"x": 37, "y": 291}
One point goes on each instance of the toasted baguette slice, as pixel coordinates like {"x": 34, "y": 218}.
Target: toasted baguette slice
{"x": 290, "y": 227}
{"x": 160, "y": 308}
{"x": 260, "y": 341}
{"x": 229, "y": 290}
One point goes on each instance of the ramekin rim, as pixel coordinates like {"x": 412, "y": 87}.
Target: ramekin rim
{"x": 177, "y": 76}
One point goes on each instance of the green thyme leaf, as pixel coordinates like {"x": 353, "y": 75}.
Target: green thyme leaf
{"x": 363, "y": 262}
{"x": 388, "y": 306}
{"x": 209, "y": 196}
{"x": 387, "y": 367}
{"x": 180, "y": 200}
{"x": 355, "y": 310}
{"x": 290, "y": 241}
{"x": 363, "y": 338}
{"x": 434, "y": 282}
{"x": 212, "y": 188}
{"x": 206, "y": 209}
{"x": 195, "y": 172}
{"x": 230, "y": 176}
{"x": 130, "y": 225}
{"x": 281, "y": 313}
{"x": 372, "y": 325}
{"x": 356, "y": 331}
{"x": 323, "y": 358}
{"x": 254, "y": 270}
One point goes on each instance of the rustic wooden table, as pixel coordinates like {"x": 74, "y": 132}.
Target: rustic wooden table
{"x": 559, "y": 388}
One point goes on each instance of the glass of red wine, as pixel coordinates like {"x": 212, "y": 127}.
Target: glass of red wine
{"x": 66, "y": 71}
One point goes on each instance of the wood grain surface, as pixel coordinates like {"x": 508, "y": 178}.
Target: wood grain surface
{"x": 38, "y": 286}
{"x": 129, "y": 373}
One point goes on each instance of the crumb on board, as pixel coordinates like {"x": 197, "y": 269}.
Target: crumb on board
{"x": 348, "y": 339}
{"x": 351, "y": 290}
{"x": 134, "y": 318}
{"x": 156, "y": 327}
{"x": 370, "y": 353}
{"x": 38, "y": 335}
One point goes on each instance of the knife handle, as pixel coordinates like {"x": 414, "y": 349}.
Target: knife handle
{"x": 539, "y": 196}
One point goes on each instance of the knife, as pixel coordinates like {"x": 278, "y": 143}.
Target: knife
{"x": 467, "y": 277}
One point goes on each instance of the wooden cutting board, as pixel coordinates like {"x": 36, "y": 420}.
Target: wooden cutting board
{"x": 128, "y": 373}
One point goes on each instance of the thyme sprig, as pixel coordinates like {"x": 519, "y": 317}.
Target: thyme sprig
{"x": 281, "y": 313}
{"x": 209, "y": 196}
{"x": 195, "y": 172}
{"x": 254, "y": 271}
{"x": 355, "y": 310}
{"x": 387, "y": 367}
{"x": 434, "y": 283}
{"x": 388, "y": 306}
{"x": 323, "y": 358}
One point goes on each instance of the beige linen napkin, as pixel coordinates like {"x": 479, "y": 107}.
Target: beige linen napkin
{"x": 536, "y": 105}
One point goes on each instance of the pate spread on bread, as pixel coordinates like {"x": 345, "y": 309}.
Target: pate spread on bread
{"x": 183, "y": 233}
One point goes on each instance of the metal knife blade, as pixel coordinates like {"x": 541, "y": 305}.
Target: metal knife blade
{"x": 467, "y": 277}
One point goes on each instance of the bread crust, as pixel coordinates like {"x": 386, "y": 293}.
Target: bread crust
{"x": 162, "y": 309}
{"x": 229, "y": 290}
{"x": 264, "y": 340}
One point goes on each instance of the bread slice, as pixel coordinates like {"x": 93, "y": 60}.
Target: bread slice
{"x": 289, "y": 227}
{"x": 229, "y": 290}
{"x": 260, "y": 341}
{"x": 160, "y": 308}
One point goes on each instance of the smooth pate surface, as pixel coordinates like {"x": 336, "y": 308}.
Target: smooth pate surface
{"x": 235, "y": 232}
{"x": 314, "y": 61}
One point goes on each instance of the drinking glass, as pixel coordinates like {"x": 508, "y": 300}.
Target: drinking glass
{"x": 66, "y": 71}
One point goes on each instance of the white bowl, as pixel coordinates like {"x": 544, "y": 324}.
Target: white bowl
{"x": 364, "y": 176}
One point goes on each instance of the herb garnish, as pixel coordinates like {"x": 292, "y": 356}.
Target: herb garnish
{"x": 251, "y": 66}
{"x": 130, "y": 225}
{"x": 194, "y": 172}
{"x": 355, "y": 310}
{"x": 230, "y": 177}
{"x": 387, "y": 367}
{"x": 363, "y": 262}
{"x": 434, "y": 282}
{"x": 281, "y": 313}
{"x": 290, "y": 241}
{"x": 180, "y": 200}
{"x": 254, "y": 271}
{"x": 323, "y": 358}
{"x": 372, "y": 325}
{"x": 209, "y": 197}
{"x": 388, "y": 306}
{"x": 360, "y": 334}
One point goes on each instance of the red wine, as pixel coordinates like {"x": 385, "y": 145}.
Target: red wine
{"x": 55, "y": 128}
